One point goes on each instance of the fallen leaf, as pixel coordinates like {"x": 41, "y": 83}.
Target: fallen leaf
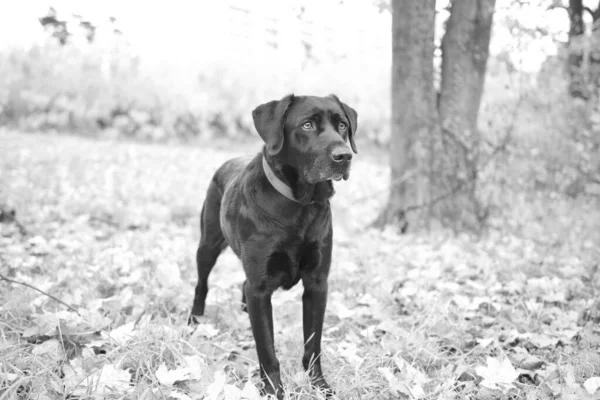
{"x": 396, "y": 387}
{"x": 52, "y": 348}
{"x": 485, "y": 342}
{"x": 179, "y": 396}
{"x": 231, "y": 392}
{"x": 542, "y": 341}
{"x": 592, "y": 384}
{"x": 250, "y": 391}
{"x": 569, "y": 376}
{"x": 169, "y": 377}
{"x": 38, "y": 246}
{"x": 216, "y": 387}
{"x": 112, "y": 378}
{"x": 195, "y": 365}
{"x": 349, "y": 351}
{"x": 408, "y": 372}
{"x": 205, "y": 330}
{"x": 527, "y": 361}
{"x": 122, "y": 334}
{"x": 168, "y": 275}
{"x": 407, "y": 381}
{"x": 7, "y": 376}
{"x": 498, "y": 374}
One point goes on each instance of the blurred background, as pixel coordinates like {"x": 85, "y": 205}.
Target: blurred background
{"x": 469, "y": 228}
{"x": 183, "y": 71}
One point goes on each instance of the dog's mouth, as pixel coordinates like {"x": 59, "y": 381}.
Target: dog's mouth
{"x": 341, "y": 175}
{"x": 335, "y": 174}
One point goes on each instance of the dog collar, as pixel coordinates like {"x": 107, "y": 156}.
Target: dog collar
{"x": 277, "y": 183}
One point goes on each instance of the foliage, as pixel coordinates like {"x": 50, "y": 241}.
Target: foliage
{"x": 554, "y": 145}
{"x": 110, "y": 87}
{"x": 111, "y": 229}
{"x": 89, "y": 91}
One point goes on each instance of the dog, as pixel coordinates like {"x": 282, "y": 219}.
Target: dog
{"x": 273, "y": 211}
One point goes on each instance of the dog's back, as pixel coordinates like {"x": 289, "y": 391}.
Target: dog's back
{"x": 229, "y": 171}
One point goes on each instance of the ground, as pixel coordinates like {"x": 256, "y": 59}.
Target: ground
{"x": 109, "y": 229}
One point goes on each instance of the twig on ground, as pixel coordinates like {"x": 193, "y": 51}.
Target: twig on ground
{"x": 4, "y": 278}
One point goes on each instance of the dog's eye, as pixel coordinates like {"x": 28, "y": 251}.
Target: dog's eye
{"x": 307, "y": 126}
{"x": 343, "y": 126}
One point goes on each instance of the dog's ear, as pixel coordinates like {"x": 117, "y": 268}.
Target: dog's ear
{"x": 352, "y": 116}
{"x": 269, "y": 121}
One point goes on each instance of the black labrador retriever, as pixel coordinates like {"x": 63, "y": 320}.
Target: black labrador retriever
{"x": 273, "y": 211}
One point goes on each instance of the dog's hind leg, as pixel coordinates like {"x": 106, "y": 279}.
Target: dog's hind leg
{"x": 212, "y": 243}
{"x": 244, "y": 306}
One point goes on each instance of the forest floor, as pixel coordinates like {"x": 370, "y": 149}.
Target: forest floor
{"x": 110, "y": 229}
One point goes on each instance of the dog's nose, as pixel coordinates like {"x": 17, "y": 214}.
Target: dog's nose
{"x": 341, "y": 154}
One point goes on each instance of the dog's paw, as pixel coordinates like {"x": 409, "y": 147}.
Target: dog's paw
{"x": 324, "y": 388}
{"x": 194, "y": 320}
{"x": 268, "y": 392}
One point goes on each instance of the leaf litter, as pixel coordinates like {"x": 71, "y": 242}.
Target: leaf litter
{"x": 418, "y": 316}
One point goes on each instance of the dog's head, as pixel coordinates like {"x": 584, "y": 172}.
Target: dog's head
{"x": 309, "y": 134}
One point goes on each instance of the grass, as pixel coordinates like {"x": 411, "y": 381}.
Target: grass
{"x": 112, "y": 230}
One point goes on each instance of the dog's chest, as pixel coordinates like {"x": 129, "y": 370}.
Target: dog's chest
{"x": 298, "y": 252}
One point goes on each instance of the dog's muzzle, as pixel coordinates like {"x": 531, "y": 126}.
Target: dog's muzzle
{"x": 341, "y": 156}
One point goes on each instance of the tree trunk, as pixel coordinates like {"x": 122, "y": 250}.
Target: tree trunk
{"x": 434, "y": 169}
{"x": 577, "y": 84}
{"x": 413, "y": 104}
{"x": 465, "y": 50}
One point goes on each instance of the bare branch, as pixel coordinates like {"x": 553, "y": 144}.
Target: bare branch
{"x": 501, "y": 147}
{"x": 589, "y": 10}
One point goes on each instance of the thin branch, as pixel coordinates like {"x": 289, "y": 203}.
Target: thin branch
{"x": 4, "y": 278}
{"x": 505, "y": 142}
{"x": 591, "y": 12}
{"x": 458, "y": 187}
{"x": 455, "y": 138}
{"x": 396, "y": 182}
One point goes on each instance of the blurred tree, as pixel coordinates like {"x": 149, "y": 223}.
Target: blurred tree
{"x": 434, "y": 146}
{"x": 577, "y": 86}
{"x": 58, "y": 28}
{"x": 413, "y": 101}
{"x": 583, "y": 61}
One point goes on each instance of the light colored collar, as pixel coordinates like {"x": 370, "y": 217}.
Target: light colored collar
{"x": 277, "y": 183}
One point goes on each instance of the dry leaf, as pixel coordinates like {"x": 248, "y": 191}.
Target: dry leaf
{"x": 122, "y": 334}
{"x": 592, "y": 384}
{"x": 111, "y": 379}
{"x": 498, "y": 374}
{"x": 214, "y": 389}
{"x": 179, "y": 395}
{"x": 169, "y": 377}
{"x": 250, "y": 391}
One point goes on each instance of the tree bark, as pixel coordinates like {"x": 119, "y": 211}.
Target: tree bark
{"x": 413, "y": 104}
{"x": 465, "y": 50}
{"x": 435, "y": 169}
{"x": 577, "y": 84}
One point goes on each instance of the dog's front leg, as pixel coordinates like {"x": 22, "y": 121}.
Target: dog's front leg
{"x": 258, "y": 301}
{"x": 256, "y": 256}
{"x": 314, "y": 302}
